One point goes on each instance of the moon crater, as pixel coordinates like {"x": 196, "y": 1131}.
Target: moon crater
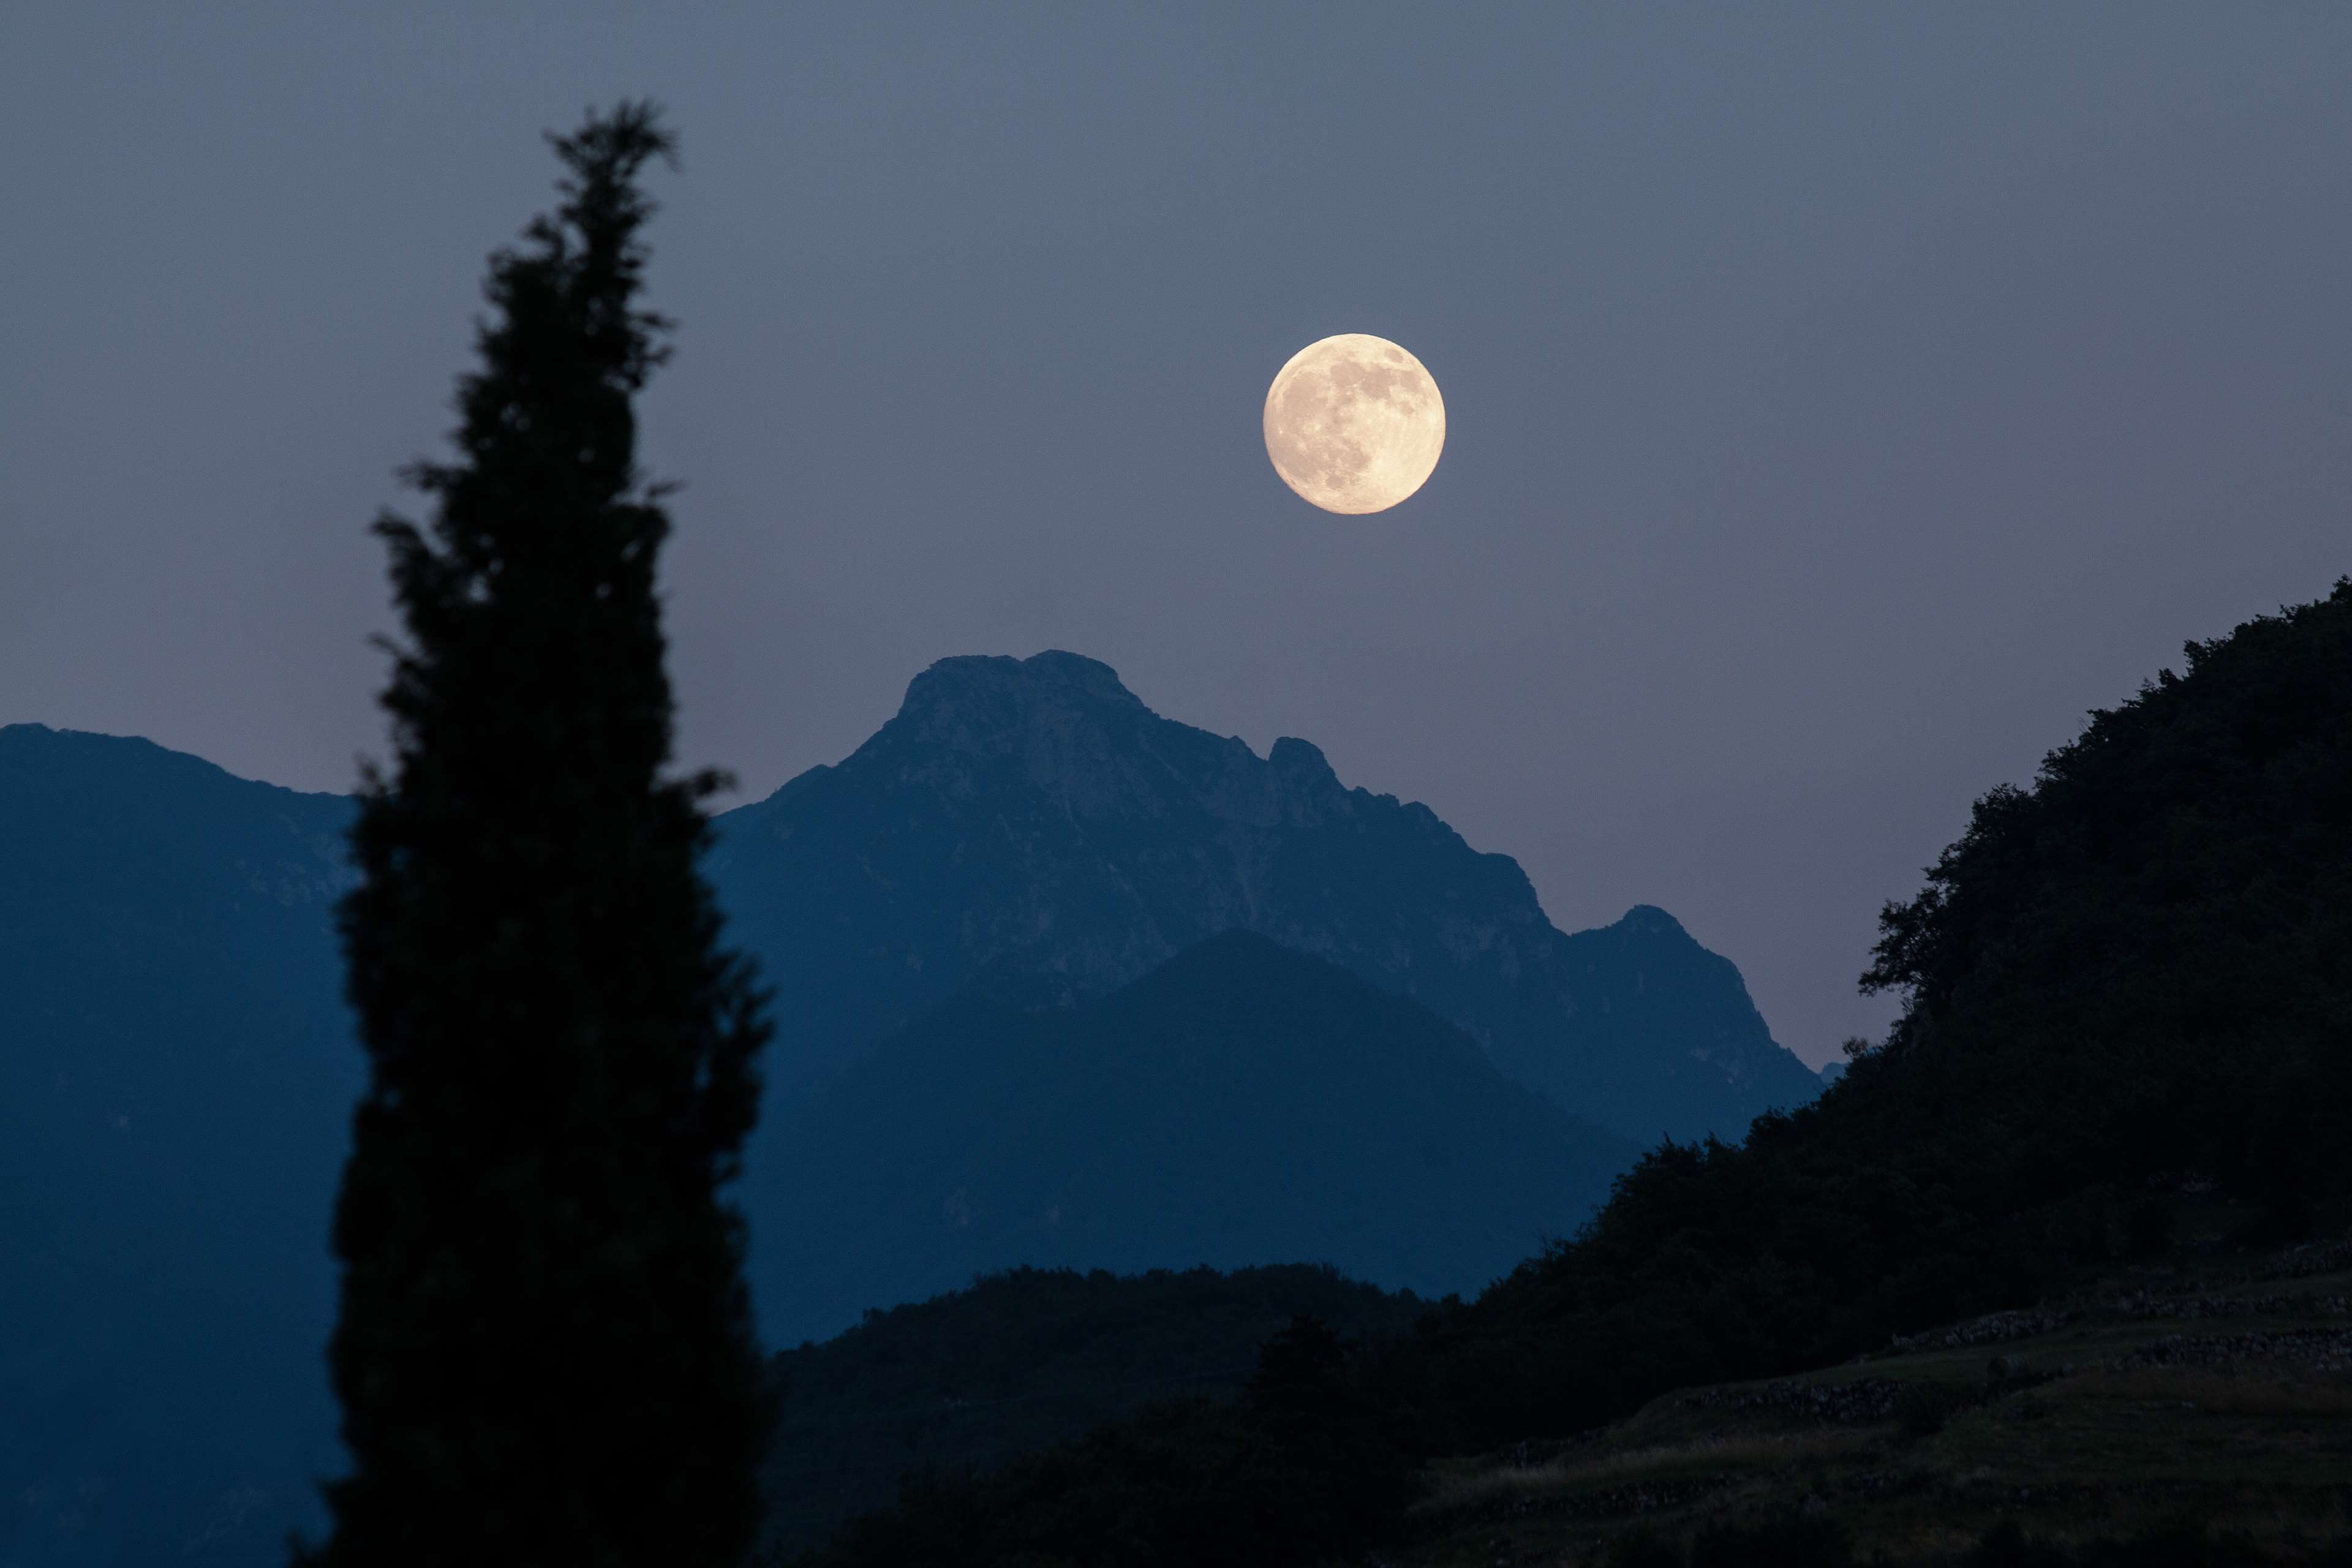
{"x": 1354, "y": 423}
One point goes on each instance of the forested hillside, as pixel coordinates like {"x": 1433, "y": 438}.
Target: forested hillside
{"x": 2124, "y": 983}
{"x": 1021, "y": 1360}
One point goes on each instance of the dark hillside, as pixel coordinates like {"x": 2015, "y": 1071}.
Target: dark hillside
{"x": 2129, "y": 983}
{"x": 2191, "y": 1414}
{"x": 1020, "y": 1361}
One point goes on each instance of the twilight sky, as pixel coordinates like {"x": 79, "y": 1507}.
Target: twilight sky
{"x": 1842, "y": 399}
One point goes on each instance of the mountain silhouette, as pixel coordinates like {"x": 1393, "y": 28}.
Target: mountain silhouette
{"x": 1241, "y": 1104}
{"x": 176, "y": 1076}
{"x": 177, "y": 1067}
{"x": 1036, "y": 808}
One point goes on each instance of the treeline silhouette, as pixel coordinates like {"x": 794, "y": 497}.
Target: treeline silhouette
{"x": 2127, "y": 995}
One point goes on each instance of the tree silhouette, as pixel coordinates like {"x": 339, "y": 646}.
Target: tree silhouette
{"x": 544, "y": 1353}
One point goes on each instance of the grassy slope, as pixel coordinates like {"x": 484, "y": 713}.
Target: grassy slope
{"x": 2218, "y": 1391}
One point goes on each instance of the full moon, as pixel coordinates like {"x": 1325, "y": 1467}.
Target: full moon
{"x": 1354, "y": 423}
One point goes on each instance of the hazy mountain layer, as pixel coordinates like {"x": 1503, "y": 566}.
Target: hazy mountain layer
{"x": 1036, "y": 807}
{"x": 176, "y": 1075}
{"x": 1242, "y": 1104}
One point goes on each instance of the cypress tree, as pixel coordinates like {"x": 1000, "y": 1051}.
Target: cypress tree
{"x": 544, "y": 1353}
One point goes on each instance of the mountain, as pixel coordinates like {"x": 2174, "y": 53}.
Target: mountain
{"x": 2020, "y": 1244}
{"x": 177, "y": 1073}
{"x": 1241, "y": 1104}
{"x": 177, "y": 1067}
{"x": 1037, "y": 809}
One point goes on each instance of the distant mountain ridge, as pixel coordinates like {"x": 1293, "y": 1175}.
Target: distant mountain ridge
{"x": 1242, "y": 1104}
{"x": 1036, "y": 812}
{"x": 177, "y": 1067}
{"x": 176, "y": 1076}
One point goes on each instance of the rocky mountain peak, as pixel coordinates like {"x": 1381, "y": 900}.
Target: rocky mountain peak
{"x": 1648, "y": 919}
{"x": 979, "y": 726}
{"x": 979, "y": 689}
{"x": 1033, "y": 814}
